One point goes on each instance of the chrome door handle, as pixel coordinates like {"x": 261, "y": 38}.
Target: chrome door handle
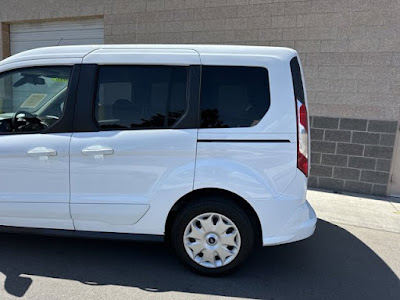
{"x": 97, "y": 150}
{"x": 41, "y": 151}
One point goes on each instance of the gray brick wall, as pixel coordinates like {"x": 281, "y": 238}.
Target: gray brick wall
{"x": 352, "y": 155}
{"x": 350, "y": 49}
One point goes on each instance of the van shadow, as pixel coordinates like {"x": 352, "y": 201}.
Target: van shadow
{"x": 332, "y": 264}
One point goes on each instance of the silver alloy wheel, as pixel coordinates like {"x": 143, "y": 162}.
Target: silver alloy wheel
{"x": 212, "y": 240}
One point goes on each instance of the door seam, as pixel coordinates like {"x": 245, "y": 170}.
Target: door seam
{"x": 69, "y": 180}
{"x": 195, "y": 160}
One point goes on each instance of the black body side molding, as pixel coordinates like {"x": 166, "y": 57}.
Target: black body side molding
{"x": 83, "y": 234}
{"x": 242, "y": 141}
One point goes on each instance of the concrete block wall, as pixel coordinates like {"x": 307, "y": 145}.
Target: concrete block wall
{"x": 352, "y": 155}
{"x": 350, "y": 50}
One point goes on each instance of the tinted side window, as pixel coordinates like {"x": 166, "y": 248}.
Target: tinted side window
{"x": 233, "y": 96}
{"x": 133, "y": 97}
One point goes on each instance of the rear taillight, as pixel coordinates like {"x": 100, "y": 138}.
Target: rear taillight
{"x": 302, "y": 137}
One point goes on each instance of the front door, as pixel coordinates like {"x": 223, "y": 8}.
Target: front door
{"x": 136, "y": 153}
{"x": 34, "y": 155}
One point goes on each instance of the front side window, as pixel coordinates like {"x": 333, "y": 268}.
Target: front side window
{"x": 32, "y": 99}
{"x": 233, "y": 96}
{"x": 139, "y": 97}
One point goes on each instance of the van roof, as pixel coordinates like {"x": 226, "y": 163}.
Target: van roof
{"x": 82, "y": 51}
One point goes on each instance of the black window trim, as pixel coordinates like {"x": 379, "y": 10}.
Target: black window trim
{"x": 297, "y": 80}
{"x": 83, "y": 118}
{"x": 190, "y": 119}
{"x": 65, "y": 123}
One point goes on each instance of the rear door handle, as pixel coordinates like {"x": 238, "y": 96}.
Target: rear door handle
{"x": 97, "y": 150}
{"x": 41, "y": 151}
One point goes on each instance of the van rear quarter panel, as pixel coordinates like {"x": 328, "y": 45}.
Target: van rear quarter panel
{"x": 254, "y": 170}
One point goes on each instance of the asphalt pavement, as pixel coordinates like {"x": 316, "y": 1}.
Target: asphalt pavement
{"x": 354, "y": 254}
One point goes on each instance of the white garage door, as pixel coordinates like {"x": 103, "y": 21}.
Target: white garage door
{"x": 33, "y": 35}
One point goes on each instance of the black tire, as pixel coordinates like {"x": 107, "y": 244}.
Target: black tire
{"x": 213, "y": 205}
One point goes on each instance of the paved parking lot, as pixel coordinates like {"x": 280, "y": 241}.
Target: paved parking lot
{"x": 338, "y": 262}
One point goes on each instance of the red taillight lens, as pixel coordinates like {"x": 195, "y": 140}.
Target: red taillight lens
{"x": 302, "y": 137}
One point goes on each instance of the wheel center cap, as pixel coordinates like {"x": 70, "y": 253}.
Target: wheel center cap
{"x": 212, "y": 239}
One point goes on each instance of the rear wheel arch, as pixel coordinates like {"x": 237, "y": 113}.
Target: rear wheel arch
{"x": 206, "y": 192}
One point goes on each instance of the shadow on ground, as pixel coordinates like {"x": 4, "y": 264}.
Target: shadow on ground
{"x": 331, "y": 264}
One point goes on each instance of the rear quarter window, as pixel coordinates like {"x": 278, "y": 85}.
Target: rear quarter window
{"x": 233, "y": 96}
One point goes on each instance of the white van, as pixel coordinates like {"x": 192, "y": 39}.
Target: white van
{"x": 206, "y": 147}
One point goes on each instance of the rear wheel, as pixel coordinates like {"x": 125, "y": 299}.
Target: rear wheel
{"x": 212, "y": 236}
